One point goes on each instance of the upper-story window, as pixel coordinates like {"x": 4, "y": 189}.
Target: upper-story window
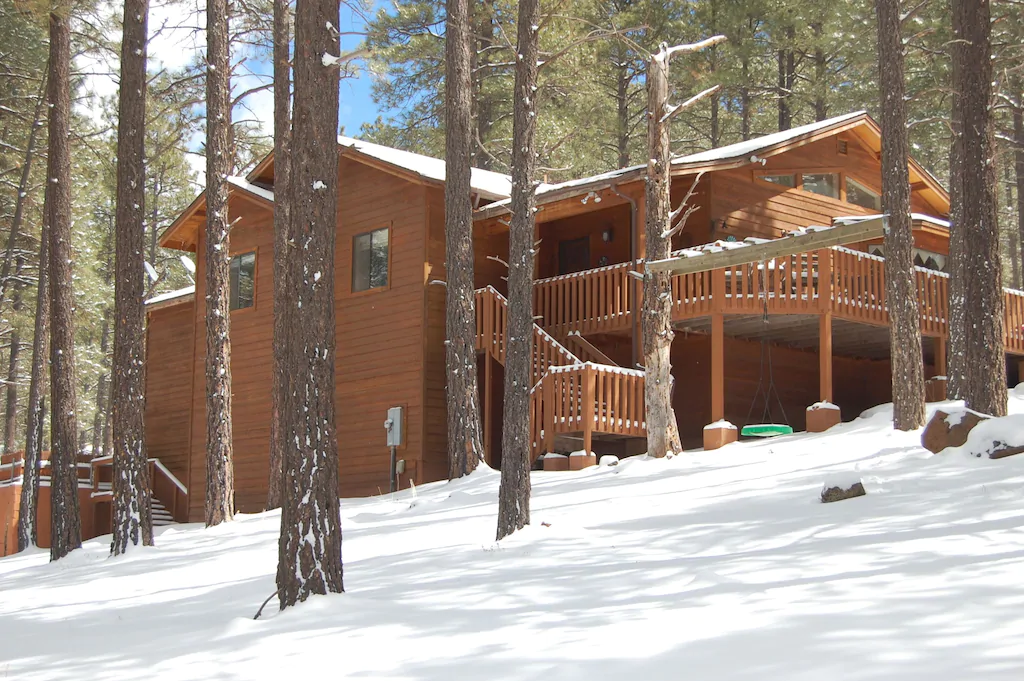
{"x": 825, "y": 184}
{"x": 242, "y": 281}
{"x": 784, "y": 180}
{"x": 859, "y": 195}
{"x": 370, "y": 260}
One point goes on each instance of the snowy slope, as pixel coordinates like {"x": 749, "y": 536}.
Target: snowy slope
{"x": 717, "y": 565}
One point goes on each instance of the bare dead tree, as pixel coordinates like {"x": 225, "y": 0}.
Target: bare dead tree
{"x": 132, "y": 518}
{"x": 662, "y": 430}
{"x": 514, "y": 490}
{"x": 901, "y": 285}
{"x": 220, "y": 487}
{"x": 465, "y": 439}
{"x": 309, "y": 550}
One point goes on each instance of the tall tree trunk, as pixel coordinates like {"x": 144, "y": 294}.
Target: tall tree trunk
{"x": 23, "y": 190}
{"x": 309, "y": 551}
{"x": 956, "y": 370}
{"x": 11, "y": 405}
{"x": 35, "y": 410}
{"x": 282, "y": 212}
{"x": 66, "y": 522}
{"x": 1018, "y": 171}
{"x": 662, "y": 430}
{"x": 483, "y": 105}
{"x": 900, "y": 282}
{"x": 985, "y": 387}
{"x": 102, "y": 384}
{"x": 465, "y": 439}
{"x": 220, "y": 479}
{"x": 787, "y": 78}
{"x": 745, "y": 101}
{"x": 132, "y": 518}
{"x": 514, "y": 491}
{"x": 622, "y": 83}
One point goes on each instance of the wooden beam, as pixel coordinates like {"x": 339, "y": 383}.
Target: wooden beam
{"x": 839, "y": 235}
{"x": 717, "y": 367}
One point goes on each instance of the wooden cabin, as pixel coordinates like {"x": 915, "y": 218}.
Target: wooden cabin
{"x": 814, "y": 324}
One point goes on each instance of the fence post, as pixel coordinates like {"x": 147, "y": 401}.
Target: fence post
{"x": 825, "y": 279}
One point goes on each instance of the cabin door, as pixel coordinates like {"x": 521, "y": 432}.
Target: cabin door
{"x": 574, "y": 255}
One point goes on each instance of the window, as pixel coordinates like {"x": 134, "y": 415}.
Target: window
{"x": 784, "y": 180}
{"x": 859, "y": 195}
{"x": 243, "y": 281}
{"x": 826, "y": 184}
{"x": 370, "y": 260}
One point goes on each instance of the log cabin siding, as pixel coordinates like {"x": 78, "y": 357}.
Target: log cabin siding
{"x": 169, "y": 385}
{"x": 435, "y": 410}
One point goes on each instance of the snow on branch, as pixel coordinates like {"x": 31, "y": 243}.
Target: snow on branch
{"x": 665, "y": 52}
{"x": 671, "y": 111}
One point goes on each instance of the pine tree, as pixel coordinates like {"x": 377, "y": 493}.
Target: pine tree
{"x": 900, "y": 281}
{"x": 514, "y": 491}
{"x": 465, "y": 439}
{"x": 309, "y": 550}
{"x": 66, "y": 523}
{"x": 11, "y": 402}
{"x": 29, "y": 502}
{"x": 132, "y": 519}
{"x": 280, "y": 391}
{"x": 220, "y": 487}
{"x": 985, "y": 386}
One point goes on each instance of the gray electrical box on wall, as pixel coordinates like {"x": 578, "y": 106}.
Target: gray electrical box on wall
{"x": 394, "y": 426}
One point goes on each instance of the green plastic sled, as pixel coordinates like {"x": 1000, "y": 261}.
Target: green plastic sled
{"x": 766, "y": 430}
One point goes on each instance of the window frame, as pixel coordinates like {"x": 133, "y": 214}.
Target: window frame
{"x": 352, "y": 262}
{"x": 865, "y": 187}
{"x": 254, "y": 251}
{"x": 798, "y": 177}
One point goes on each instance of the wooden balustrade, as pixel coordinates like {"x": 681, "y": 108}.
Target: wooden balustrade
{"x": 849, "y": 283}
{"x": 592, "y": 398}
{"x": 593, "y": 301}
{"x": 1013, "y": 321}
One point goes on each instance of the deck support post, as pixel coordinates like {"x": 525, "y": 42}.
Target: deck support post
{"x": 717, "y": 367}
{"x": 589, "y": 412}
{"x": 825, "y": 357}
{"x": 488, "y": 405}
{"x": 940, "y": 356}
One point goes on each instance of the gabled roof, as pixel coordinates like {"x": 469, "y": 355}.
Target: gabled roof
{"x": 487, "y": 184}
{"x": 731, "y": 156}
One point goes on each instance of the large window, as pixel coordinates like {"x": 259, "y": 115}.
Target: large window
{"x": 859, "y": 195}
{"x": 243, "y": 281}
{"x": 370, "y": 260}
{"x": 826, "y": 184}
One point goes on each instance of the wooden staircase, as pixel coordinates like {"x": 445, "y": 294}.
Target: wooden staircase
{"x": 569, "y": 396}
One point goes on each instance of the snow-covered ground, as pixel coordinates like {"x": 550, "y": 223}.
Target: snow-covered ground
{"x": 717, "y": 565}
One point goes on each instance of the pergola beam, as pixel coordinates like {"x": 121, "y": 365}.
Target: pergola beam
{"x": 839, "y": 235}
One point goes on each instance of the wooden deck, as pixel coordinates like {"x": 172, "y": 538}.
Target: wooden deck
{"x": 849, "y": 285}
{"x": 569, "y": 396}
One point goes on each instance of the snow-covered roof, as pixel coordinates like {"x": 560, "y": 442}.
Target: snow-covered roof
{"x": 728, "y": 153}
{"x": 487, "y": 183}
{"x": 243, "y": 183}
{"x": 172, "y": 295}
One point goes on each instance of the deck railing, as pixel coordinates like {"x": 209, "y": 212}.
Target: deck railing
{"x": 12, "y": 467}
{"x": 850, "y": 284}
{"x": 592, "y": 398}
